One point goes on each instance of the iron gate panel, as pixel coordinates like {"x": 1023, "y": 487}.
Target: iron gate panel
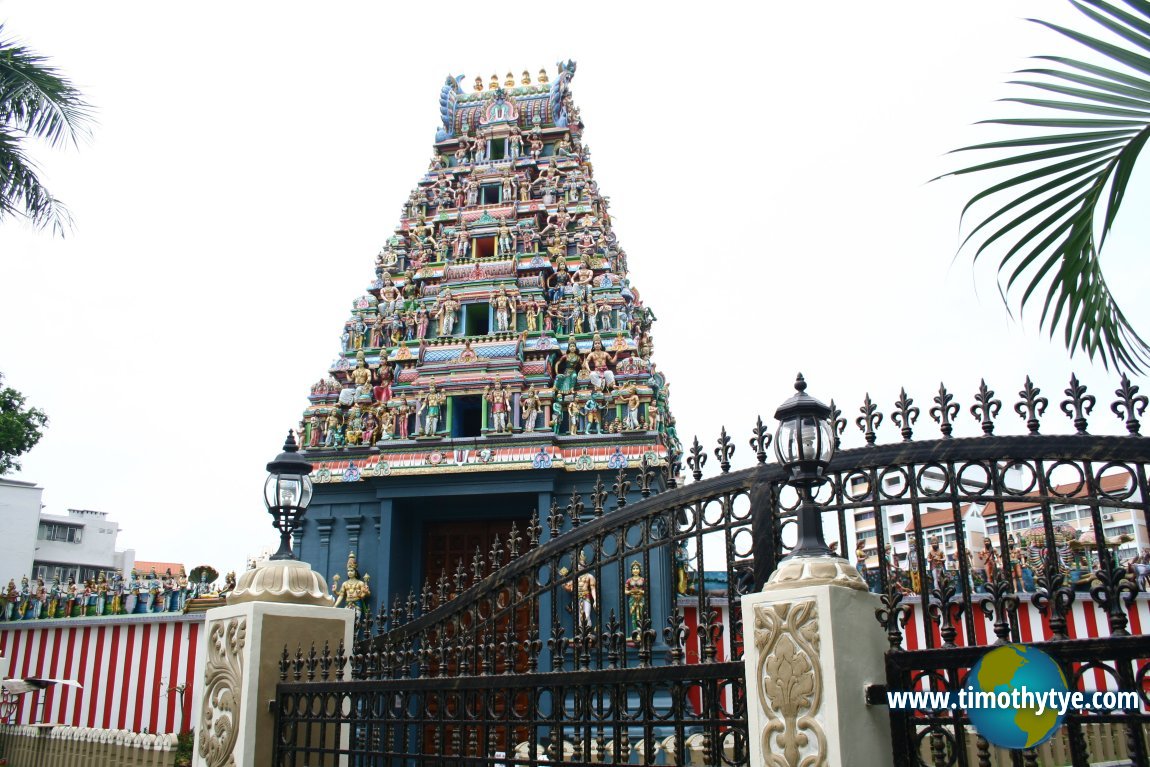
{"x": 458, "y": 636}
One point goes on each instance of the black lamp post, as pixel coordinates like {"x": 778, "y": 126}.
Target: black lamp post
{"x": 804, "y": 445}
{"x": 287, "y": 493}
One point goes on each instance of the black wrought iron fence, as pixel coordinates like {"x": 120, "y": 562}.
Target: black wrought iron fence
{"x": 608, "y": 633}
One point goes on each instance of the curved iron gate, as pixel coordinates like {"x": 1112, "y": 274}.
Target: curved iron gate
{"x": 501, "y": 663}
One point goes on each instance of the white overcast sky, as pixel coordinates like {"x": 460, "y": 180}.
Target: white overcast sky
{"x": 766, "y": 164}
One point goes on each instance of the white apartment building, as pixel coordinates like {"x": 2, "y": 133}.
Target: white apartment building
{"x": 20, "y": 504}
{"x": 80, "y": 545}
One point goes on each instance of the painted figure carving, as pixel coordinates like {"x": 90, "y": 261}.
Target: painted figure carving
{"x": 504, "y": 311}
{"x": 636, "y": 597}
{"x": 354, "y": 592}
{"x": 432, "y": 405}
{"x": 529, "y": 406}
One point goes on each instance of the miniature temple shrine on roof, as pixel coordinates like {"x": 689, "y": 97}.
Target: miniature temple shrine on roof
{"x": 500, "y": 359}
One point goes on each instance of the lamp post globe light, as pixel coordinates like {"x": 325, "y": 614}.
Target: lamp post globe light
{"x": 283, "y": 578}
{"x": 287, "y": 493}
{"x": 804, "y": 446}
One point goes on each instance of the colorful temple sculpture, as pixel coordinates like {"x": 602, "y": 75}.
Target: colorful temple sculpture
{"x": 139, "y": 593}
{"x": 499, "y": 362}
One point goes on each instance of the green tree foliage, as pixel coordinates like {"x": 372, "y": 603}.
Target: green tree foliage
{"x": 1066, "y": 181}
{"x": 36, "y": 102}
{"x": 20, "y": 427}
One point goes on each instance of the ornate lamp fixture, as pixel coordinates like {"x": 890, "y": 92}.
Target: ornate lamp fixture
{"x": 287, "y": 493}
{"x": 804, "y": 446}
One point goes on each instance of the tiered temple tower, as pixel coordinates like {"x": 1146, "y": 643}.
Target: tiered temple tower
{"x": 499, "y": 362}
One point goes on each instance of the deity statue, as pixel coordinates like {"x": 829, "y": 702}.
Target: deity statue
{"x": 432, "y": 403}
{"x": 403, "y": 419}
{"x": 556, "y": 412}
{"x": 635, "y": 587}
{"x": 353, "y": 593}
{"x": 987, "y": 560}
{"x": 500, "y": 402}
{"x": 684, "y": 584}
{"x": 573, "y": 417}
{"x": 505, "y": 310}
{"x": 563, "y": 146}
{"x": 515, "y": 143}
{"x": 333, "y": 430}
{"x": 386, "y": 422}
{"x": 586, "y": 589}
{"x": 421, "y": 320}
{"x": 11, "y": 597}
{"x": 361, "y": 374}
{"x": 592, "y": 411}
{"x": 445, "y": 308}
{"x": 630, "y": 400}
{"x": 390, "y": 297}
{"x": 591, "y": 314}
{"x": 462, "y": 242}
{"x": 531, "y": 310}
{"x": 386, "y": 257}
{"x": 860, "y": 558}
{"x": 370, "y": 428}
{"x": 566, "y": 368}
{"x": 557, "y": 282}
{"x": 530, "y": 406}
{"x": 936, "y": 562}
{"x": 597, "y": 363}
{"x": 505, "y": 240}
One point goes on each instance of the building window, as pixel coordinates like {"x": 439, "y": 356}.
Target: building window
{"x": 489, "y": 194}
{"x": 477, "y": 319}
{"x": 466, "y": 416}
{"x": 50, "y": 531}
{"x": 484, "y": 247}
{"x": 496, "y": 149}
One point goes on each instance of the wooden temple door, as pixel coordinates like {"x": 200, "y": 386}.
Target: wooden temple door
{"x": 445, "y": 545}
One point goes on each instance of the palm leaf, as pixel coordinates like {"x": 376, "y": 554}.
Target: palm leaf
{"x": 1051, "y": 215}
{"x": 35, "y": 102}
{"x": 36, "y": 99}
{"x": 21, "y": 193}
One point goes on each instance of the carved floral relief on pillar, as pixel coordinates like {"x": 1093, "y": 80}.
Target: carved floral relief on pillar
{"x": 790, "y": 683}
{"x": 223, "y": 682}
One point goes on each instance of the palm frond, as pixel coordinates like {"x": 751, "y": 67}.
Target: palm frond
{"x": 21, "y": 193}
{"x": 1051, "y": 217}
{"x": 36, "y": 99}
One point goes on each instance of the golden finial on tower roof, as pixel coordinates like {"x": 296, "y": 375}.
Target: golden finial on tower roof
{"x": 478, "y": 83}
{"x": 526, "y": 77}
{"x": 543, "y": 76}
{"x": 510, "y": 81}
{"x": 494, "y": 82}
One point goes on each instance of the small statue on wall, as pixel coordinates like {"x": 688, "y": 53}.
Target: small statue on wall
{"x": 586, "y": 589}
{"x": 636, "y": 588}
{"x": 530, "y": 407}
{"x": 354, "y": 592}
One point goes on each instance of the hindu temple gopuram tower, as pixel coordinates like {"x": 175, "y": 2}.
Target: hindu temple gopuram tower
{"x": 500, "y": 359}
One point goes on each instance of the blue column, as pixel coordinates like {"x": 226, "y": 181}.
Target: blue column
{"x": 381, "y": 563}
{"x": 546, "y": 605}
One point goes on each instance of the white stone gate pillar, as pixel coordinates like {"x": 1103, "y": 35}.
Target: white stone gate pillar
{"x": 812, "y": 647}
{"x": 281, "y": 603}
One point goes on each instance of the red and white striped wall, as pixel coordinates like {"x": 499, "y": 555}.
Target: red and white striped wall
{"x": 1085, "y": 620}
{"x": 129, "y": 669}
